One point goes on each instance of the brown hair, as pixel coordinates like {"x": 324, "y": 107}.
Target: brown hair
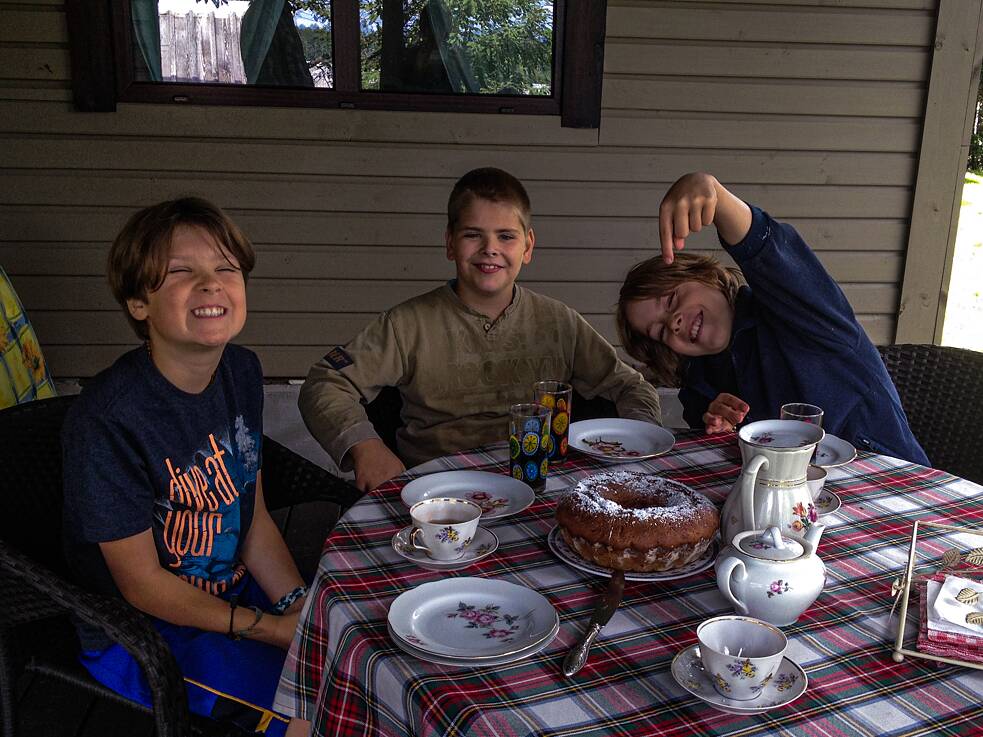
{"x": 491, "y": 184}
{"x": 138, "y": 258}
{"x": 655, "y": 278}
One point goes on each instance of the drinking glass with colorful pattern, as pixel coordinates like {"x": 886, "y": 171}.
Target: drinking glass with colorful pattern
{"x": 558, "y": 396}
{"x": 529, "y": 432}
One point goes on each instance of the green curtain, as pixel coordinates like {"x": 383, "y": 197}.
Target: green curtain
{"x": 256, "y": 34}
{"x": 454, "y": 58}
{"x": 146, "y": 28}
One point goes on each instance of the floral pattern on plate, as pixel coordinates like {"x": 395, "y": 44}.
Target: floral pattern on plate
{"x": 497, "y": 625}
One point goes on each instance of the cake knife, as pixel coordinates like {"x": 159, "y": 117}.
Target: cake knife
{"x": 604, "y": 610}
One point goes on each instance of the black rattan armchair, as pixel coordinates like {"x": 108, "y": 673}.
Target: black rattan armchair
{"x": 941, "y": 390}
{"x": 35, "y": 588}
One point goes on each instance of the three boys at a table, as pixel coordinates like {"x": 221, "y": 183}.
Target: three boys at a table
{"x": 162, "y": 451}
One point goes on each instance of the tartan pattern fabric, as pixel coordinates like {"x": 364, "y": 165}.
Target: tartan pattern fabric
{"x": 343, "y": 673}
{"x": 23, "y": 373}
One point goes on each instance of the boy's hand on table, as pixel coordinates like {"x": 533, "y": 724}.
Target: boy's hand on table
{"x": 374, "y": 464}
{"x": 725, "y": 413}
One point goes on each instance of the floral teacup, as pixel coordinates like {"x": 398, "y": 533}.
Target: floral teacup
{"x": 444, "y": 526}
{"x": 740, "y": 654}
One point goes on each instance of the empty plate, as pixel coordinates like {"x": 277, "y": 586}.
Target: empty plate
{"x": 472, "y": 617}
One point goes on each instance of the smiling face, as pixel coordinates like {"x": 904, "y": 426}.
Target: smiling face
{"x": 488, "y": 245}
{"x": 201, "y": 304}
{"x": 692, "y": 320}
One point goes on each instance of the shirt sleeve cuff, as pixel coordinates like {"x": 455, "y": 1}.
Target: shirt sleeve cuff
{"x": 755, "y": 239}
{"x": 349, "y": 438}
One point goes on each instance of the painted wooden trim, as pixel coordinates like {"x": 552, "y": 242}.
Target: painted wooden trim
{"x": 583, "y": 62}
{"x": 942, "y": 162}
{"x": 91, "y": 53}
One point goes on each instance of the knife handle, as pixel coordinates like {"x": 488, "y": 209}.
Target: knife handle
{"x": 577, "y": 657}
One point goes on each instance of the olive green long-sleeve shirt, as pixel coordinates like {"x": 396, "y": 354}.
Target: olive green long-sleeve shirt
{"x": 458, "y": 373}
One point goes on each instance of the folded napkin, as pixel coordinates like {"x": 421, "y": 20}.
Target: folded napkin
{"x": 946, "y": 644}
{"x": 952, "y": 602}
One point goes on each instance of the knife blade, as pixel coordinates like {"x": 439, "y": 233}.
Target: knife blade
{"x": 604, "y": 610}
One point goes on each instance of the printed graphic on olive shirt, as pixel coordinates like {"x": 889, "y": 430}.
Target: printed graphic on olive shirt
{"x": 199, "y": 522}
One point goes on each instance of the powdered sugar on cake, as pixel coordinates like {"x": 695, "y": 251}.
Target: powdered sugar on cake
{"x": 671, "y": 500}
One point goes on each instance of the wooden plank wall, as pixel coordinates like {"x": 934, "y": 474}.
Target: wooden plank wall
{"x": 813, "y": 110}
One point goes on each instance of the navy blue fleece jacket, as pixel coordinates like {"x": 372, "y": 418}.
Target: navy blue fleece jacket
{"x": 796, "y": 339}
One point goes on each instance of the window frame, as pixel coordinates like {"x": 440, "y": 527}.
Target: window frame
{"x": 101, "y": 38}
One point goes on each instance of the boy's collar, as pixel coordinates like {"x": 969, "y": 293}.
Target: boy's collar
{"x": 451, "y": 285}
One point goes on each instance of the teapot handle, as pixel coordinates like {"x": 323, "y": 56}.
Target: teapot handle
{"x": 749, "y": 477}
{"x": 724, "y": 573}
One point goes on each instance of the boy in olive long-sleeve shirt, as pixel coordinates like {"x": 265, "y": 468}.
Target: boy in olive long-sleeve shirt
{"x": 461, "y": 354}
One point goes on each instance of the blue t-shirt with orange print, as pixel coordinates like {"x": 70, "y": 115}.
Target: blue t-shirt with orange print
{"x": 141, "y": 454}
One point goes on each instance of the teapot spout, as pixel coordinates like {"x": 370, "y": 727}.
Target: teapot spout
{"x": 813, "y": 534}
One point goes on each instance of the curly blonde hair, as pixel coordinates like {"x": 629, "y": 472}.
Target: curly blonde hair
{"x": 655, "y": 278}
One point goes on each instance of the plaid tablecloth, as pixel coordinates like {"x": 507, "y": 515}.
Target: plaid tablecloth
{"x": 344, "y": 674}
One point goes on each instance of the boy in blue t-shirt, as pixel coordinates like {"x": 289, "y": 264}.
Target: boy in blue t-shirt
{"x": 163, "y": 484}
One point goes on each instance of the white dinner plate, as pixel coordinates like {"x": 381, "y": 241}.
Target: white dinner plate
{"x": 485, "y": 543}
{"x": 472, "y": 617}
{"x": 833, "y": 451}
{"x": 616, "y": 440}
{"x": 788, "y": 684}
{"x": 570, "y": 556}
{"x": 473, "y": 662}
{"x": 497, "y": 494}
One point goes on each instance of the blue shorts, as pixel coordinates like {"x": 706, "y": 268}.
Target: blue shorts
{"x": 229, "y": 680}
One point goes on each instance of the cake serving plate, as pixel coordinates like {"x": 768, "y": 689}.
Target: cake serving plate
{"x": 570, "y": 556}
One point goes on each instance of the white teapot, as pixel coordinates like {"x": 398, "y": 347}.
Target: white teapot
{"x": 770, "y": 576}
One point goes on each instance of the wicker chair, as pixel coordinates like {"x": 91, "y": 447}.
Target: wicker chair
{"x": 35, "y": 583}
{"x": 384, "y": 412}
{"x": 941, "y": 390}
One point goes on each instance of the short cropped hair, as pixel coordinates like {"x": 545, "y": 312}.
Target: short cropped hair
{"x": 138, "y": 257}
{"x": 655, "y": 278}
{"x": 488, "y": 183}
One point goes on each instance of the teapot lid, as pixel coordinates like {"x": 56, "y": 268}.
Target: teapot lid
{"x": 770, "y": 544}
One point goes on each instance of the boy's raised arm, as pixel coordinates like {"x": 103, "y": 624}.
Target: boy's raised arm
{"x": 694, "y": 201}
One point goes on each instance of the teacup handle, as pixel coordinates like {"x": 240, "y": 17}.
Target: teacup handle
{"x": 749, "y": 478}
{"x": 413, "y": 542}
{"x": 724, "y": 574}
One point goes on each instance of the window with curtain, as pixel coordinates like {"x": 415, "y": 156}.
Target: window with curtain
{"x": 505, "y": 56}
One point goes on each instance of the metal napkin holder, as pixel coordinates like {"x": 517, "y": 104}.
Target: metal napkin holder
{"x": 901, "y": 587}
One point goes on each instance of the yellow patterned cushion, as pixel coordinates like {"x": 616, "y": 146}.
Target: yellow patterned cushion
{"x": 23, "y": 373}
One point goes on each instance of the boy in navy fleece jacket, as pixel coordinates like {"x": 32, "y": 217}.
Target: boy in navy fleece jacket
{"x": 741, "y": 351}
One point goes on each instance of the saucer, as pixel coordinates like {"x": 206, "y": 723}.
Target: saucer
{"x": 788, "y": 684}
{"x": 833, "y": 451}
{"x": 570, "y": 556}
{"x": 484, "y": 544}
{"x": 826, "y": 502}
{"x": 498, "y": 495}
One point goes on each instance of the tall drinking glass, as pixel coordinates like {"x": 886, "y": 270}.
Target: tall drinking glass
{"x": 558, "y": 396}
{"x": 529, "y": 428}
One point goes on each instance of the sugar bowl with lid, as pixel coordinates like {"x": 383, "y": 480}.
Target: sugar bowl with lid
{"x": 771, "y": 576}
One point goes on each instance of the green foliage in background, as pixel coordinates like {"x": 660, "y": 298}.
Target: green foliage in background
{"x": 508, "y": 43}
{"x": 975, "y": 163}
